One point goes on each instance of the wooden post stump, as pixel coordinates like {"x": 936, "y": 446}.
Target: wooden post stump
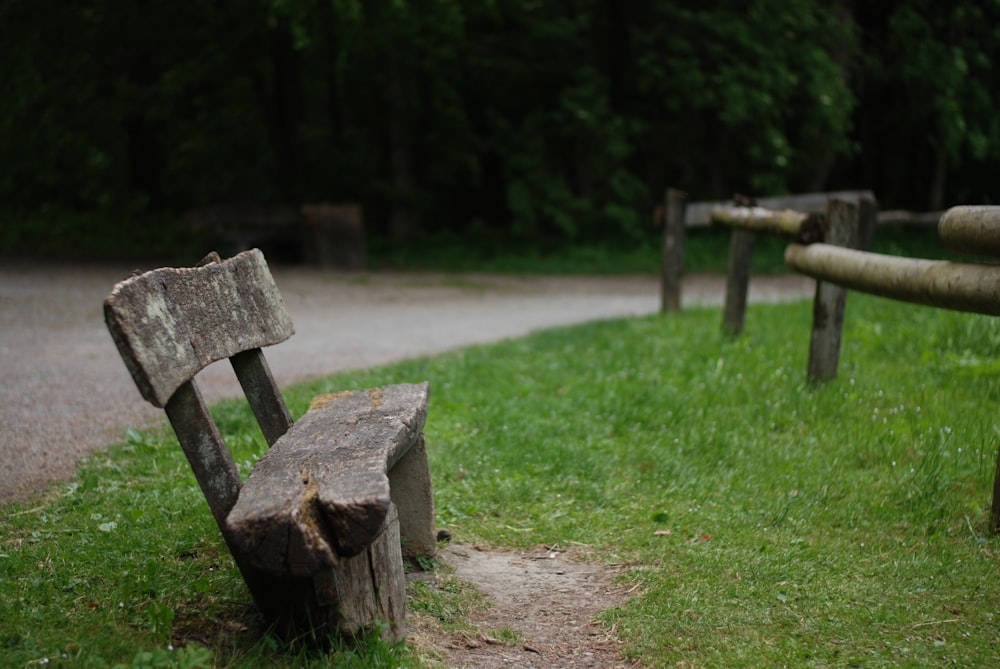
{"x": 672, "y": 272}
{"x": 334, "y": 236}
{"x": 830, "y": 300}
{"x": 737, "y": 280}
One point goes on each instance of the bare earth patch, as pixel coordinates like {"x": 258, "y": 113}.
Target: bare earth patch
{"x": 540, "y": 611}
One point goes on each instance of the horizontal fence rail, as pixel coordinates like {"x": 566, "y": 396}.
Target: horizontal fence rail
{"x": 699, "y": 214}
{"x": 973, "y": 230}
{"x": 804, "y": 227}
{"x": 936, "y": 283}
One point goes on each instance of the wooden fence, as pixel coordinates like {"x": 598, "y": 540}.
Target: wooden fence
{"x": 699, "y": 214}
{"x": 773, "y": 215}
{"x": 973, "y": 288}
{"x": 676, "y": 215}
{"x": 833, "y": 250}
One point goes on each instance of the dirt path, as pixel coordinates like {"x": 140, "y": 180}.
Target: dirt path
{"x": 541, "y": 612}
{"x": 64, "y": 391}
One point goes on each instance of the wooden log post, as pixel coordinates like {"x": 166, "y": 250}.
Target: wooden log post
{"x": 830, "y": 300}
{"x": 672, "y": 272}
{"x": 995, "y": 509}
{"x": 867, "y": 221}
{"x": 737, "y": 280}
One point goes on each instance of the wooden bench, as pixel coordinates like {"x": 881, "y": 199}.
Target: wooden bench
{"x": 320, "y": 528}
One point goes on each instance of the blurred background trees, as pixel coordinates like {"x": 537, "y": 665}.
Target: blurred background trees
{"x": 562, "y": 119}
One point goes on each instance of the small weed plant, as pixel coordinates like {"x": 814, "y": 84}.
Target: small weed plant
{"x": 760, "y": 521}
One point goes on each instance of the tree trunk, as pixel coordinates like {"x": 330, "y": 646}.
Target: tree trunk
{"x": 823, "y": 152}
{"x": 145, "y": 160}
{"x": 672, "y": 271}
{"x": 283, "y": 102}
{"x": 402, "y": 220}
{"x": 936, "y": 199}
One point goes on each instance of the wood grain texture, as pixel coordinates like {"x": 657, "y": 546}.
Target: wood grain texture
{"x": 937, "y": 283}
{"x": 322, "y": 491}
{"x": 971, "y": 229}
{"x": 805, "y": 228}
{"x": 170, "y": 323}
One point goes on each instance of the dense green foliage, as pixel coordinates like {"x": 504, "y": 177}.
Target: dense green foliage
{"x": 561, "y": 120}
{"x": 757, "y": 521}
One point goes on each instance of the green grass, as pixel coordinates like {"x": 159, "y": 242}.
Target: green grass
{"x": 705, "y": 250}
{"x": 762, "y": 522}
{"x": 60, "y": 235}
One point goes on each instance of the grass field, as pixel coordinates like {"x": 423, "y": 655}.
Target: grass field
{"x": 762, "y": 522}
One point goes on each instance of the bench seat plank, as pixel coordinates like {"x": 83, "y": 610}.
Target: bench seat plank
{"x": 322, "y": 490}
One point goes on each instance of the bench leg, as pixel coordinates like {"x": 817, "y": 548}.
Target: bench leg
{"x": 361, "y": 592}
{"x": 410, "y": 490}
{"x": 368, "y": 588}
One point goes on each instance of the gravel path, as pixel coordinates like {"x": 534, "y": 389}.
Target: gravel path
{"x": 65, "y": 392}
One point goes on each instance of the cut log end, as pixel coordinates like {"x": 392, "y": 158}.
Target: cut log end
{"x": 299, "y": 531}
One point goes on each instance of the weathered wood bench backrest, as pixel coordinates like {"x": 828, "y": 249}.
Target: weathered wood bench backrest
{"x": 316, "y": 529}
{"x": 171, "y": 323}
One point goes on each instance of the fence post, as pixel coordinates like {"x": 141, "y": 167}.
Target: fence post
{"x": 737, "y": 280}
{"x": 828, "y": 305}
{"x": 673, "y": 250}
{"x": 867, "y": 222}
{"x": 995, "y": 515}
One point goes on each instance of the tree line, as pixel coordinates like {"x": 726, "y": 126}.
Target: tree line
{"x": 561, "y": 118}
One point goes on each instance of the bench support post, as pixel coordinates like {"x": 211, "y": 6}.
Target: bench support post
{"x": 262, "y": 393}
{"x": 368, "y": 588}
{"x": 205, "y": 449}
{"x": 359, "y": 593}
{"x": 216, "y": 473}
{"x": 410, "y": 489}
